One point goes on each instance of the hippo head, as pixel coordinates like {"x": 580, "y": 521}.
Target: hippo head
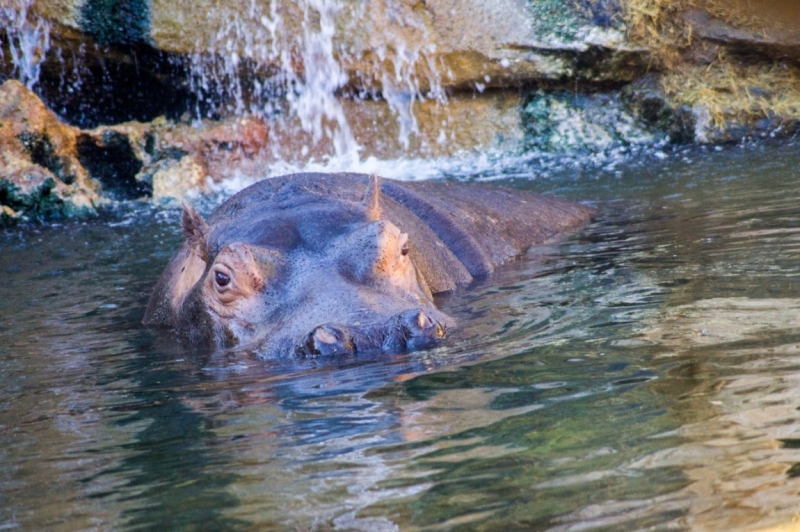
{"x": 298, "y": 273}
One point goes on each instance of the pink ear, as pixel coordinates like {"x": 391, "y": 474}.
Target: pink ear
{"x": 195, "y": 229}
{"x": 372, "y": 198}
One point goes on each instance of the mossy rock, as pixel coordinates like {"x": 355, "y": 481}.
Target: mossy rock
{"x": 116, "y": 21}
{"x": 564, "y": 122}
{"x": 41, "y": 203}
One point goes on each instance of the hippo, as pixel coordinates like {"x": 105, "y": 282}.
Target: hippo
{"x": 315, "y": 264}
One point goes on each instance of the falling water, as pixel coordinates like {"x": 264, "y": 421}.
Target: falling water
{"x": 402, "y": 85}
{"x": 259, "y": 59}
{"x": 28, "y": 41}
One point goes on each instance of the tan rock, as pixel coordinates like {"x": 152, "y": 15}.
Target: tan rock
{"x": 38, "y": 156}
{"x": 179, "y": 179}
{"x": 773, "y": 36}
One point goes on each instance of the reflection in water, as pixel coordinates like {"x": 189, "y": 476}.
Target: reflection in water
{"x": 741, "y": 459}
{"x": 640, "y": 374}
{"x": 176, "y": 477}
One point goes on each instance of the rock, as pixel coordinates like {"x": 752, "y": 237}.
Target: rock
{"x": 728, "y": 70}
{"x": 566, "y": 122}
{"x": 87, "y": 83}
{"x": 501, "y": 43}
{"x": 49, "y": 169}
{"x": 774, "y": 33}
{"x": 179, "y": 179}
{"x": 109, "y": 157}
{"x": 138, "y": 60}
{"x": 137, "y": 72}
{"x": 488, "y": 42}
{"x": 40, "y": 175}
{"x": 167, "y": 159}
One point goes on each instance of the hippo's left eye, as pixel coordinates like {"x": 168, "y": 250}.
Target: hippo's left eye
{"x": 222, "y": 279}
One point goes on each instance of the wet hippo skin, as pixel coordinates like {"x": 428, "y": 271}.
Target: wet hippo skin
{"x": 332, "y": 264}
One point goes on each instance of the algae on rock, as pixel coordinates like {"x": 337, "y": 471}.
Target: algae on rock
{"x": 563, "y": 122}
{"x": 40, "y": 174}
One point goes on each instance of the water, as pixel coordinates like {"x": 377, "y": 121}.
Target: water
{"x": 28, "y": 39}
{"x": 301, "y": 52}
{"x": 640, "y": 374}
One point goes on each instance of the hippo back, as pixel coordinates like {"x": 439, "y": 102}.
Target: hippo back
{"x": 458, "y": 231}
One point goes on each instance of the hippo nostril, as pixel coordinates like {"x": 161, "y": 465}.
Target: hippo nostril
{"x": 328, "y": 340}
{"x": 411, "y": 330}
{"x": 427, "y": 327}
{"x": 424, "y": 322}
{"x": 324, "y": 336}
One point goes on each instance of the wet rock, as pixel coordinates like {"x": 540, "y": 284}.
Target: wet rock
{"x": 729, "y": 70}
{"x": 110, "y": 22}
{"x": 179, "y": 179}
{"x": 773, "y": 31}
{"x": 646, "y": 100}
{"x": 49, "y": 169}
{"x": 565, "y": 122}
{"x": 216, "y": 57}
{"x": 164, "y": 159}
{"x": 109, "y": 158}
{"x": 710, "y": 131}
{"x": 488, "y": 42}
{"x": 128, "y": 63}
{"x": 498, "y": 43}
{"x": 488, "y": 121}
{"x": 82, "y": 76}
{"x": 40, "y": 174}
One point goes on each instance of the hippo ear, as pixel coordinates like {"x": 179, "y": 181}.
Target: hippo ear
{"x": 195, "y": 229}
{"x": 372, "y": 198}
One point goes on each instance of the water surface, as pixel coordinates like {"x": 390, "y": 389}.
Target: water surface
{"x": 640, "y": 374}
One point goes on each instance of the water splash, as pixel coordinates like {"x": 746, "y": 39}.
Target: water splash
{"x": 27, "y": 42}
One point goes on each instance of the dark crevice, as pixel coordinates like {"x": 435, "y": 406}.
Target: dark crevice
{"x": 114, "y": 163}
{"x": 89, "y": 86}
{"x": 42, "y": 152}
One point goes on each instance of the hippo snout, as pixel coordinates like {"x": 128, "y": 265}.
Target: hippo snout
{"x": 407, "y": 331}
{"x": 328, "y": 340}
{"x": 412, "y": 329}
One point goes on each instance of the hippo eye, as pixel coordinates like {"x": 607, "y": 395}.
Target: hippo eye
{"x": 222, "y": 279}
{"x": 404, "y": 249}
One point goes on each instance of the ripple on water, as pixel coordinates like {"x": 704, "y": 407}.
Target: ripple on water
{"x": 640, "y": 374}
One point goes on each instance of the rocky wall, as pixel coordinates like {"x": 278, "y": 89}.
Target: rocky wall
{"x": 159, "y": 99}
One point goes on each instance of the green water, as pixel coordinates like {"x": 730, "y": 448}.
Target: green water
{"x": 640, "y": 375}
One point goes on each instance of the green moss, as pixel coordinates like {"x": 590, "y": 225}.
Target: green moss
{"x": 556, "y": 18}
{"x": 563, "y": 19}
{"x": 116, "y": 21}
{"x": 41, "y": 204}
{"x": 564, "y": 122}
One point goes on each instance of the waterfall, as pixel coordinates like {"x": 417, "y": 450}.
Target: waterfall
{"x": 265, "y": 63}
{"x": 27, "y": 41}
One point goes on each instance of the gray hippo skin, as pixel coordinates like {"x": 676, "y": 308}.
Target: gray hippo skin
{"x": 329, "y": 264}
